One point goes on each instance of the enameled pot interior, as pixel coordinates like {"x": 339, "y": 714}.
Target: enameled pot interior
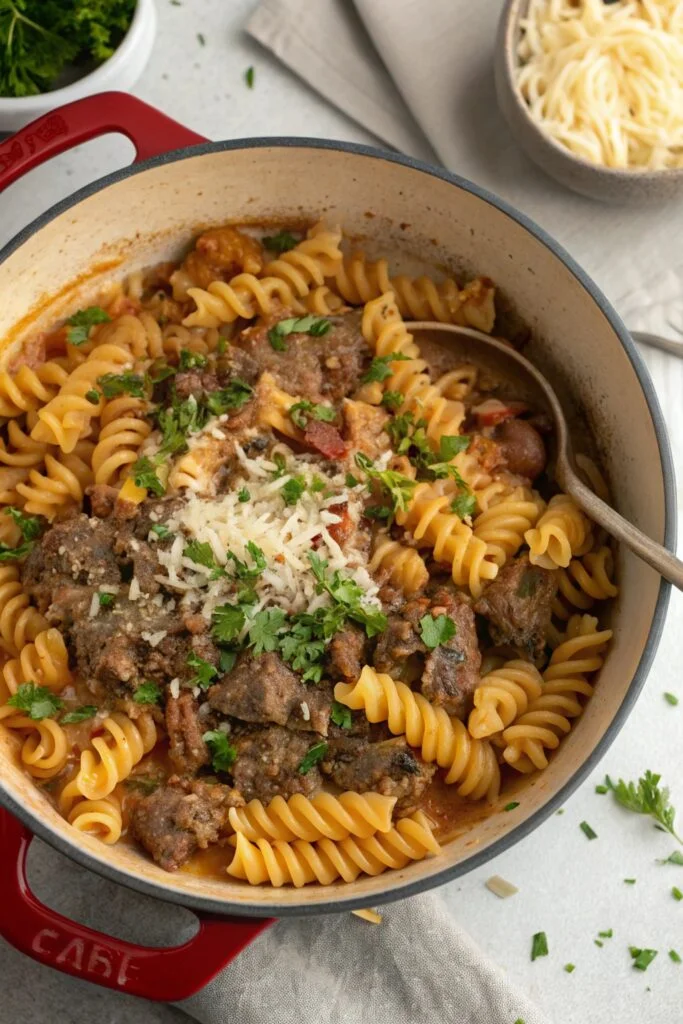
{"x": 418, "y": 220}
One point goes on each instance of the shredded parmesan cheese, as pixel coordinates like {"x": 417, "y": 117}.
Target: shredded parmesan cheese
{"x": 500, "y": 887}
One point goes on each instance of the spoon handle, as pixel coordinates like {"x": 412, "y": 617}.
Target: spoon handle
{"x": 666, "y": 564}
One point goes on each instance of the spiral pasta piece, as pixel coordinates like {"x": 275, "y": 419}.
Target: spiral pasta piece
{"x": 45, "y": 748}
{"x": 62, "y": 485}
{"x": 288, "y": 279}
{"x": 429, "y": 520}
{"x": 22, "y": 450}
{"x": 29, "y": 389}
{"x": 584, "y": 581}
{"x": 470, "y": 762}
{"x": 562, "y": 532}
{"x": 299, "y": 863}
{"x": 66, "y": 418}
{"x": 502, "y": 696}
{"x": 45, "y": 662}
{"x": 505, "y": 522}
{"x": 323, "y": 301}
{"x": 19, "y": 621}
{"x": 10, "y": 476}
{"x": 458, "y": 383}
{"x": 273, "y": 408}
{"x": 581, "y": 650}
{"x": 321, "y": 817}
{"x": 403, "y": 565}
{"x": 116, "y": 756}
{"x": 121, "y": 435}
{"x": 101, "y": 818}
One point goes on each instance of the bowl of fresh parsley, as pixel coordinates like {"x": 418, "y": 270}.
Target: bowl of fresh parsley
{"x": 55, "y": 51}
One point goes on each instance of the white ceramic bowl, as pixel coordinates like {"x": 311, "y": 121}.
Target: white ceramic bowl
{"x": 121, "y": 71}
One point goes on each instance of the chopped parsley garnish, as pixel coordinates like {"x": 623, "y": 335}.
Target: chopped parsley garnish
{"x": 436, "y": 630}
{"x": 380, "y": 367}
{"x": 396, "y": 486}
{"x": 341, "y": 715}
{"x": 280, "y": 465}
{"x": 293, "y": 489}
{"x": 162, "y": 531}
{"x": 351, "y": 481}
{"x": 676, "y": 893}
{"x": 81, "y": 322}
{"x": 671, "y": 698}
{"x": 30, "y": 527}
{"x": 608, "y": 934}
{"x": 265, "y": 629}
{"x": 646, "y": 797}
{"x": 222, "y": 346}
{"x": 345, "y": 592}
{"x": 226, "y": 660}
{"x": 36, "y": 701}
{"x": 511, "y": 806}
{"x": 144, "y": 475}
{"x": 93, "y": 396}
{"x": 598, "y": 943}
{"x": 249, "y": 77}
{"x": 201, "y": 553}
{"x": 81, "y": 714}
{"x": 283, "y": 241}
{"x": 242, "y": 571}
{"x": 223, "y": 753}
{"x": 127, "y": 383}
{"x": 229, "y": 399}
{"x": 191, "y": 360}
{"x": 160, "y": 370}
{"x": 317, "y": 484}
{"x": 301, "y": 412}
{"x": 451, "y": 445}
{"x": 201, "y": 38}
{"x": 147, "y": 693}
{"x": 227, "y": 623}
{"x": 539, "y": 945}
{"x": 243, "y": 495}
{"x": 642, "y": 958}
{"x": 392, "y": 400}
{"x": 464, "y": 505}
{"x": 601, "y": 790}
{"x": 312, "y": 757}
{"x": 587, "y": 830}
{"x": 106, "y": 600}
{"x": 673, "y": 955}
{"x": 630, "y": 881}
{"x": 304, "y": 642}
{"x": 313, "y": 325}
{"x": 570, "y": 968}
{"x": 674, "y": 858}
{"x": 204, "y": 671}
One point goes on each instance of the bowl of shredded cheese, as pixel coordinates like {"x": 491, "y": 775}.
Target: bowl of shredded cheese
{"x": 593, "y": 92}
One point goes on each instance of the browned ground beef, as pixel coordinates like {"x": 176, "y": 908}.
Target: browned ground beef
{"x": 389, "y": 767}
{"x": 220, "y": 253}
{"x": 268, "y": 762}
{"x": 181, "y": 817}
{"x": 522, "y": 447}
{"x": 186, "y": 748}
{"x": 347, "y": 653}
{"x": 325, "y": 367}
{"x": 264, "y": 690}
{"x": 518, "y": 605}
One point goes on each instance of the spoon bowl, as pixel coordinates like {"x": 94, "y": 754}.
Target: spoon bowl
{"x": 503, "y": 360}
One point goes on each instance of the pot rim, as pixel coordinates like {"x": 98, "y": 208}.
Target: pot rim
{"x": 71, "y": 849}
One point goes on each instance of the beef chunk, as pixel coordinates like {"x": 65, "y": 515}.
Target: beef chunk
{"x": 102, "y": 499}
{"x": 76, "y": 551}
{"x": 401, "y": 640}
{"x": 219, "y": 254}
{"x": 522, "y": 447}
{"x": 179, "y": 818}
{"x": 267, "y": 764}
{"x": 451, "y": 672}
{"x": 264, "y": 689}
{"x": 365, "y": 428}
{"x": 347, "y": 653}
{"x": 518, "y": 605}
{"x": 327, "y": 367}
{"x": 390, "y": 768}
{"x": 187, "y": 749}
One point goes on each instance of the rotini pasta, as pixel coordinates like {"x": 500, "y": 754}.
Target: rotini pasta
{"x": 274, "y": 406}
{"x": 19, "y": 621}
{"x": 45, "y": 662}
{"x": 502, "y": 696}
{"x": 508, "y": 518}
{"x": 123, "y": 431}
{"x": 101, "y": 818}
{"x": 28, "y": 389}
{"x": 470, "y": 762}
{"x": 45, "y": 748}
{"x": 403, "y": 565}
{"x": 322, "y": 817}
{"x": 299, "y": 863}
{"x": 584, "y": 581}
{"x": 561, "y": 533}
{"x": 114, "y": 757}
{"x": 63, "y": 483}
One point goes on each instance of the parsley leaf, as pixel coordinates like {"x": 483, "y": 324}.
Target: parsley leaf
{"x": 280, "y": 465}
{"x": 345, "y": 592}
{"x": 249, "y": 77}
{"x": 227, "y": 623}
{"x": 242, "y": 570}
{"x": 464, "y": 504}
{"x": 81, "y": 322}
{"x": 114, "y": 384}
{"x": 642, "y": 958}
{"x": 106, "y": 600}
{"x": 341, "y": 715}
{"x": 313, "y": 325}
{"x": 436, "y": 631}
{"x": 30, "y": 527}
{"x": 588, "y": 831}
{"x": 351, "y": 481}
{"x": 223, "y": 753}
{"x": 283, "y": 241}
{"x": 147, "y": 693}
{"x": 451, "y": 445}
{"x": 81, "y": 714}
{"x": 205, "y": 672}
{"x": 312, "y": 757}
{"x": 671, "y": 698}
{"x": 191, "y": 360}
{"x": 674, "y": 858}
{"x": 293, "y": 489}
{"x": 162, "y": 531}
{"x": 300, "y": 413}
{"x": 201, "y": 553}
{"x": 398, "y": 487}
{"x": 392, "y": 400}
{"x": 539, "y": 945}
{"x": 265, "y": 628}
{"x": 36, "y": 701}
{"x": 144, "y": 475}
{"x": 93, "y": 396}
{"x": 646, "y": 797}
{"x": 511, "y": 806}
{"x": 229, "y": 399}
{"x": 380, "y": 368}
{"x": 226, "y": 660}
{"x": 243, "y": 495}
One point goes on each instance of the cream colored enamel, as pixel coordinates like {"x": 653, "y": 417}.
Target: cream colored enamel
{"x": 146, "y": 217}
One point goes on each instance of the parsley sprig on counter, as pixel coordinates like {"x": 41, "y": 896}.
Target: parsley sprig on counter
{"x": 647, "y": 797}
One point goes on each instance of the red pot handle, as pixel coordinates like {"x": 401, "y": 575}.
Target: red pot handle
{"x": 150, "y": 131}
{"x": 167, "y": 975}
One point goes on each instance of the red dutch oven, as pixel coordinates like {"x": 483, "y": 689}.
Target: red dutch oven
{"x": 418, "y": 216}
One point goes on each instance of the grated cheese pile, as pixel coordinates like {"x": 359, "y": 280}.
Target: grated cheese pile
{"x": 284, "y": 533}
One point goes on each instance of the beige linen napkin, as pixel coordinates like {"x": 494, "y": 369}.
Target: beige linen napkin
{"x": 439, "y": 56}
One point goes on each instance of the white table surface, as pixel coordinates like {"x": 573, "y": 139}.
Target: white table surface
{"x": 569, "y": 887}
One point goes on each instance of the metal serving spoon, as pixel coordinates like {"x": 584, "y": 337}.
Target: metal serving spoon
{"x": 499, "y": 358}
